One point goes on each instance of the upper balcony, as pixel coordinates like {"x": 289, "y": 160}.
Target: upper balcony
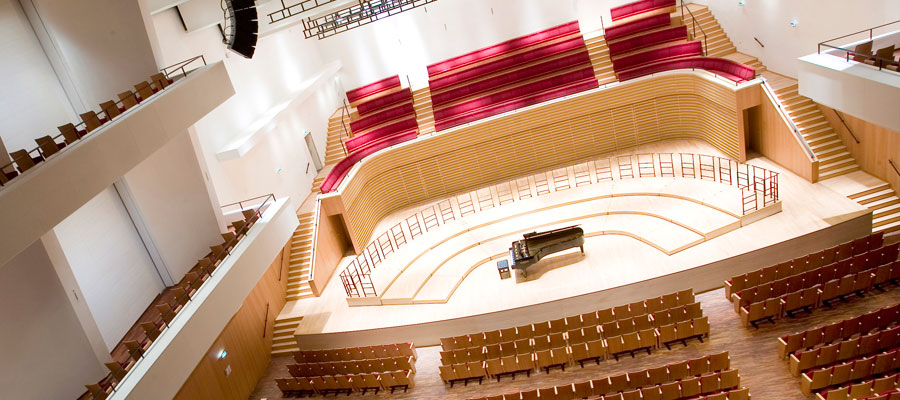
{"x": 858, "y": 74}
{"x": 68, "y": 175}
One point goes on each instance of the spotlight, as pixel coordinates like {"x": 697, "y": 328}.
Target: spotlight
{"x": 741, "y": 3}
{"x": 794, "y": 23}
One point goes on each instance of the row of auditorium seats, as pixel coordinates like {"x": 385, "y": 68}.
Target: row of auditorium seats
{"x": 325, "y": 385}
{"x": 819, "y": 288}
{"x": 853, "y": 370}
{"x": 865, "y": 55}
{"x": 686, "y": 379}
{"x": 586, "y": 320}
{"x": 811, "y": 276}
{"x": 386, "y": 117}
{"x": 859, "y": 346}
{"x": 641, "y": 7}
{"x": 352, "y": 367}
{"x": 517, "y": 73}
{"x": 157, "y": 318}
{"x": 22, "y": 160}
{"x": 884, "y": 388}
{"x": 803, "y": 263}
{"x": 356, "y": 353}
{"x": 726, "y": 68}
{"x": 824, "y": 335}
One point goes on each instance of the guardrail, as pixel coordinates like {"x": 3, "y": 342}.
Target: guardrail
{"x": 190, "y": 285}
{"x": 787, "y": 120}
{"x": 311, "y": 277}
{"x": 880, "y": 62}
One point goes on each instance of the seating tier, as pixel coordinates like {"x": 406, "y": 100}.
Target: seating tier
{"x": 371, "y": 106}
{"x": 384, "y": 132}
{"x": 732, "y": 70}
{"x": 638, "y": 7}
{"x": 683, "y": 50}
{"x": 651, "y": 39}
{"x": 501, "y": 48}
{"x": 618, "y": 31}
{"x": 402, "y": 110}
{"x": 340, "y": 169}
{"x": 373, "y": 88}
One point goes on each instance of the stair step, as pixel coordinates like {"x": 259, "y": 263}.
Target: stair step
{"x": 885, "y": 220}
{"x": 870, "y": 191}
{"x": 839, "y": 172}
{"x": 876, "y": 196}
{"x": 892, "y": 208}
{"x": 888, "y": 228}
{"x": 836, "y": 165}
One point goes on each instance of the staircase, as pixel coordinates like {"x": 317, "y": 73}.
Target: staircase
{"x": 283, "y": 340}
{"x": 301, "y": 256}
{"x": 599, "y": 52}
{"x": 334, "y": 149}
{"x": 717, "y": 42}
{"x": 885, "y": 206}
{"x": 424, "y": 112}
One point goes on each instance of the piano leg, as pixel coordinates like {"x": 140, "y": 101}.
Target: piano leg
{"x": 582, "y": 249}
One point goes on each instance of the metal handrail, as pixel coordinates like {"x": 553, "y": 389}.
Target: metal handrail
{"x": 287, "y": 11}
{"x": 344, "y": 110}
{"x": 845, "y": 125}
{"x": 771, "y": 94}
{"x": 315, "y": 233}
{"x": 181, "y": 65}
{"x": 891, "y": 161}
{"x": 880, "y": 61}
{"x": 136, "y": 355}
{"x": 870, "y": 30}
{"x": 694, "y": 27}
{"x": 103, "y": 116}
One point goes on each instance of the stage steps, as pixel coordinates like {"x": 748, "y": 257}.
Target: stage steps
{"x": 599, "y": 52}
{"x": 424, "y": 113}
{"x": 283, "y": 339}
{"x": 885, "y": 206}
{"x": 301, "y": 257}
{"x": 334, "y": 149}
{"x": 718, "y": 44}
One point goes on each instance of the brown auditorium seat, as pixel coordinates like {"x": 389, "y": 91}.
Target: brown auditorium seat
{"x": 48, "y": 146}
{"x": 110, "y": 110}
{"x": 143, "y": 90}
{"x": 97, "y": 392}
{"x": 160, "y": 81}
{"x": 151, "y": 330}
{"x": 128, "y": 99}
{"x": 885, "y": 52}
{"x": 70, "y": 133}
{"x": 91, "y": 121}
{"x": 117, "y": 372}
{"x": 24, "y": 161}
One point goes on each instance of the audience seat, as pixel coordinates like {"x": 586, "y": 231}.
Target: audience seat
{"x": 639, "y": 7}
{"x": 373, "y": 89}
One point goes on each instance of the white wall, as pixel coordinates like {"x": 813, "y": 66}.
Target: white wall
{"x": 174, "y": 205}
{"x": 102, "y": 44}
{"x": 110, "y": 263}
{"x": 819, "y": 20}
{"x": 45, "y": 352}
{"x": 33, "y": 103}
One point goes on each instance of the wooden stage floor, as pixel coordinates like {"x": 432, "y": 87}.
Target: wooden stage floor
{"x": 669, "y": 234}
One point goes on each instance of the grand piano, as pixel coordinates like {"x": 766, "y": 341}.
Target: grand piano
{"x": 537, "y": 245}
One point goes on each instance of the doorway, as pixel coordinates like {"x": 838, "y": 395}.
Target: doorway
{"x": 753, "y": 131}
{"x": 313, "y": 152}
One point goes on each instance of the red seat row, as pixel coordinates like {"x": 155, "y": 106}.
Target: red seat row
{"x": 381, "y": 117}
{"x": 683, "y": 50}
{"x": 504, "y": 63}
{"x": 638, "y": 7}
{"x": 355, "y": 143}
{"x": 341, "y": 168}
{"x": 651, "y": 39}
{"x": 382, "y": 102}
{"x": 585, "y": 81}
{"x": 629, "y": 28}
{"x": 521, "y": 75}
{"x": 729, "y": 69}
{"x": 501, "y": 48}
{"x": 373, "y": 88}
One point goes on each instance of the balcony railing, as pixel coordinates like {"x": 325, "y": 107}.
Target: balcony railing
{"x": 838, "y": 46}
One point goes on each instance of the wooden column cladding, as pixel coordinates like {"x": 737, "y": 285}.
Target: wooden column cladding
{"x": 671, "y": 106}
{"x": 247, "y": 339}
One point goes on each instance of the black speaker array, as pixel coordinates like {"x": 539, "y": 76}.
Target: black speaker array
{"x": 245, "y": 26}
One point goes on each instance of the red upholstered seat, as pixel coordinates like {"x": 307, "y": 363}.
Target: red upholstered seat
{"x": 629, "y": 28}
{"x": 340, "y": 169}
{"x": 690, "y": 49}
{"x": 360, "y": 141}
{"x": 521, "y": 75}
{"x": 638, "y": 7}
{"x": 501, "y": 48}
{"x": 379, "y": 103}
{"x": 373, "y": 88}
{"x": 400, "y": 111}
{"x": 488, "y": 68}
{"x": 651, "y": 39}
{"x": 730, "y": 69}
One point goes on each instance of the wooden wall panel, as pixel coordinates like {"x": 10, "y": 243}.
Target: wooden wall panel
{"x": 247, "y": 339}
{"x": 664, "y": 107}
{"x": 330, "y": 248}
{"x": 876, "y": 145}
{"x": 777, "y": 142}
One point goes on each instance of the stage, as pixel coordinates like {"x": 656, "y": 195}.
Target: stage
{"x": 645, "y": 235}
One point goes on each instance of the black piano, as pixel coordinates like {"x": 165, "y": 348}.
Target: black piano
{"x": 536, "y": 246}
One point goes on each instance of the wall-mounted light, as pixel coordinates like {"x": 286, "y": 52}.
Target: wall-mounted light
{"x": 741, "y": 3}
{"x": 222, "y": 354}
{"x": 794, "y": 23}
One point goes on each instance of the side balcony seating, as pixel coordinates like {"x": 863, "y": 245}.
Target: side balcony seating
{"x": 638, "y": 7}
{"x": 383, "y": 102}
{"x": 501, "y": 48}
{"x": 372, "y": 137}
{"x": 400, "y": 111}
{"x": 373, "y": 89}
{"x": 618, "y": 31}
{"x": 505, "y": 63}
{"x": 644, "y": 59}
{"x": 341, "y": 169}
{"x": 876, "y": 320}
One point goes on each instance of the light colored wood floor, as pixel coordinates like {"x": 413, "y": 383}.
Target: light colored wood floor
{"x": 753, "y": 353}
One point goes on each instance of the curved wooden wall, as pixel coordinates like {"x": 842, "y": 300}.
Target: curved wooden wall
{"x": 670, "y": 106}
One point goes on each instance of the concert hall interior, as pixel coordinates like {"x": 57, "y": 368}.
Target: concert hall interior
{"x": 450, "y": 199}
